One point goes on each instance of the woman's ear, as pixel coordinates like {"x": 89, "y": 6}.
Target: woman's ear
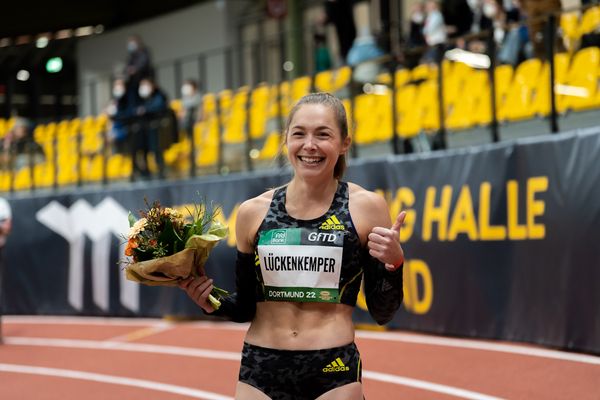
{"x": 346, "y": 144}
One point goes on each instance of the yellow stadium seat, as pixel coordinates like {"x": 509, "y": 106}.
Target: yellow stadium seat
{"x": 519, "y": 98}
{"x": 43, "y": 175}
{"x": 5, "y": 180}
{"x": 582, "y": 80}
{"x": 590, "y": 20}
{"x": 364, "y": 119}
{"x": 428, "y": 103}
{"x": 483, "y": 111}
{"x": 207, "y": 156}
{"x": 421, "y": 72}
{"x": 259, "y": 110}
{"x": 569, "y": 26}
{"x": 271, "y": 147}
{"x": 455, "y": 79}
{"x": 22, "y": 179}
{"x": 300, "y": 87}
{"x": 461, "y": 114}
{"x": 333, "y": 80}
{"x": 541, "y": 100}
{"x": 408, "y": 123}
{"x": 233, "y": 115}
{"x": 402, "y": 77}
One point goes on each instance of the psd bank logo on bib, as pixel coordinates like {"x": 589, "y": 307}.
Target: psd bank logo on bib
{"x": 279, "y": 236}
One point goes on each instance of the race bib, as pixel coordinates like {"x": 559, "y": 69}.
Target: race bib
{"x": 299, "y": 264}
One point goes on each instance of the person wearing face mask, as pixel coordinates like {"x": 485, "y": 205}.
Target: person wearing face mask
{"x": 138, "y": 66}
{"x": 151, "y": 111}
{"x": 120, "y": 112}
{"x": 417, "y": 19}
{"x": 191, "y": 99}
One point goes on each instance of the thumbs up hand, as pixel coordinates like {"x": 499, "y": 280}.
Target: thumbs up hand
{"x": 384, "y": 244}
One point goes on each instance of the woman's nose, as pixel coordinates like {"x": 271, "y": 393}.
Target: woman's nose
{"x": 309, "y": 142}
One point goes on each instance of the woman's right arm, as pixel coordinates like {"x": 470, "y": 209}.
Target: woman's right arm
{"x": 239, "y": 306}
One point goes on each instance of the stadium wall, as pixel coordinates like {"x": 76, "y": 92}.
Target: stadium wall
{"x": 501, "y": 242}
{"x": 187, "y": 32}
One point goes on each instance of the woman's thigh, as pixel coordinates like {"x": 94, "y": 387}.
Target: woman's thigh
{"x": 351, "y": 391}
{"x": 243, "y": 391}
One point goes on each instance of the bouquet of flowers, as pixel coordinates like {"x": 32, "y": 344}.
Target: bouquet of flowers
{"x": 165, "y": 247}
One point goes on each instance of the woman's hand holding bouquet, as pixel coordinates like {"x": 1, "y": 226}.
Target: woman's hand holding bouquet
{"x": 166, "y": 250}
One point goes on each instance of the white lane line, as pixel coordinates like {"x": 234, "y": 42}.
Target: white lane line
{"x": 124, "y": 346}
{"x": 141, "y": 333}
{"x": 479, "y": 345}
{"x": 231, "y": 356}
{"x": 116, "y": 321}
{"x": 429, "y": 386}
{"x": 383, "y": 336}
{"x": 115, "y": 380}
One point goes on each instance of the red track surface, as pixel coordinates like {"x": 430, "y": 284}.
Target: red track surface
{"x": 47, "y": 358}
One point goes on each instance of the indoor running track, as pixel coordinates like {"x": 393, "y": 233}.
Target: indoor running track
{"x": 65, "y": 358}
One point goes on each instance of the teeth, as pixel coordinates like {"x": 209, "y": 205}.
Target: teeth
{"x": 310, "y": 160}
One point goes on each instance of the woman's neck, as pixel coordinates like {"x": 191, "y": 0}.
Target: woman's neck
{"x": 306, "y": 199}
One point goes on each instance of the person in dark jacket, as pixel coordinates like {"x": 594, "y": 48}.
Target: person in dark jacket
{"x": 151, "y": 113}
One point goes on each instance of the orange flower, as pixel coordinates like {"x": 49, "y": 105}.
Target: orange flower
{"x": 131, "y": 244}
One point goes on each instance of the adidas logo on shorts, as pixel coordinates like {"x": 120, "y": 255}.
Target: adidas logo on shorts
{"x": 336, "y": 366}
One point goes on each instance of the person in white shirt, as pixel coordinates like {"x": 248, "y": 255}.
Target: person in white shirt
{"x": 434, "y": 30}
{"x": 5, "y": 228}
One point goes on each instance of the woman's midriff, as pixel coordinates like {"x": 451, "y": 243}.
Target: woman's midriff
{"x": 301, "y": 326}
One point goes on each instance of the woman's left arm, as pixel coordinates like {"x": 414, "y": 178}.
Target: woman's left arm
{"x": 383, "y": 257}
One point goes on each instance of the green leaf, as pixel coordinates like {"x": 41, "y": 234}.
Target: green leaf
{"x": 131, "y": 219}
{"x": 170, "y": 239}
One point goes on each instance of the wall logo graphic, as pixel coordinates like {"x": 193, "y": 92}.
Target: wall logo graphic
{"x": 98, "y": 223}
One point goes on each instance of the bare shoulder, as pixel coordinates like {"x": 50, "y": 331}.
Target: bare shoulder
{"x": 249, "y": 217}
{"x": 365, "y": 199}
{"x": 368, "y": 210}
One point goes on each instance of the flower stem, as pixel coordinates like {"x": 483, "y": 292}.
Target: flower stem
{"x": 214, "y": 302}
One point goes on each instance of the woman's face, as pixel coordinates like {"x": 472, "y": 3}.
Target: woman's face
{"x": 314, "y": 140}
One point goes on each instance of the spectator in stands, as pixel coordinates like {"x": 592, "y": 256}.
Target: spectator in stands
{"x": 434, "y": 31}
{"x": 457, "y": 16}
{"x": 152, "y": 112}
{"x": 516, "y": 45}
{"x": 416, "y": 40}
{"x": 364, "y": 49}
{"x": 340, "y": 14}
{"x": 18, "y": 146}
{"x": 298, "y": 326}
{"x": 5, "y": 228}
{"x": 536, "y": 12}
{"x": 417, "y": 20}
{"x": 322, "y": 56}
{"x": 485, "y": 12}
{"x": 139, "y": 66}
{"x": 191, "y": 102}
{"x": 120, "y": 112}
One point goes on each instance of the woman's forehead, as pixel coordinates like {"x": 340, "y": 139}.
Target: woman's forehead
{"x": 314, "y": 114}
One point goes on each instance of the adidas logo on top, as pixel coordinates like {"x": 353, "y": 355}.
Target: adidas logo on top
{"x": 332, "y": 223}
{"x": 336, "y": 366}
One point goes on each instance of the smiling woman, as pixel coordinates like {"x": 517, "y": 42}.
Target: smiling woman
{"x": 303, "y": 249}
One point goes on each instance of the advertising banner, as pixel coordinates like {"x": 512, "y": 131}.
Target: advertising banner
{"x": 501, "y": 241}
